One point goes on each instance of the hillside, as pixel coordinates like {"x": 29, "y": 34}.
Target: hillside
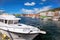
{"x": 55, "y": 9}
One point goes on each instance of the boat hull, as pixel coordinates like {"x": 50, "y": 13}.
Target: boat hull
{"x": 19, "y": 36}
{"x": 28, "y": 36}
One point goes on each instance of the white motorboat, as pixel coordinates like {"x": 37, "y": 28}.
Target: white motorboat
{"x": 11, "y": 23}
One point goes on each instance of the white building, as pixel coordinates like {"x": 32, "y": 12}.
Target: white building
{"x": 43, "y": 13}
{"x": 50, "y": 14}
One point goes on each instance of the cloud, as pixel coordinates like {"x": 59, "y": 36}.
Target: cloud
{"x": 2, "y": 10}
{"x": 43, "y": 0}
{"x": 35, "y": 10}
{"x": 27, "y": 11}
{"x": 46, "y": 8}
{"x": 30, "y": 4}
{"x": 41, "y": 3}
{"x": 30, "y": 11}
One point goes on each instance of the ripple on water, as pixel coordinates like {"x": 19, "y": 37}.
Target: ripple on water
{"x": 51, "y": 27}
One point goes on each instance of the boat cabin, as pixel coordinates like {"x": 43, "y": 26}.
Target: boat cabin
{"x": 9, "y": 19}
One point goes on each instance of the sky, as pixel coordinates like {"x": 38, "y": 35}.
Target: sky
{"x": 27, "y": 6}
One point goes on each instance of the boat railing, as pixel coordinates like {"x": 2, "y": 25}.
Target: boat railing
{"x": 5, "y": 27}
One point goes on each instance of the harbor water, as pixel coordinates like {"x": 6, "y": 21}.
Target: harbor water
{"x": 51, "y": 27}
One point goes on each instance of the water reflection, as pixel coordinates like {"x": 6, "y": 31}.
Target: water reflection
{"x": 51, "y": 27}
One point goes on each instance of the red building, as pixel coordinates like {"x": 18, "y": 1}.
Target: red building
{"x": 31, "y": 15}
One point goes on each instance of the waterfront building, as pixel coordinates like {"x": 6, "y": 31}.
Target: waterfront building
{"x": 31, "y": 15}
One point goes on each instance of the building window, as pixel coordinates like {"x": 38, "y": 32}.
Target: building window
{"x": 6, "y": 21}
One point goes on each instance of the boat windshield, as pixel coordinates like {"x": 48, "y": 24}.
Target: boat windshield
{"x": 10, "y": 22}
{"x": 16, "y": 22}
{"x": 13, "y": 22}
{"x": 1, "y": 20}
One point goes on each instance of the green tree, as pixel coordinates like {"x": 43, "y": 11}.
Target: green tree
{"x": 43, "y": 17}
{"x": 17, "y": 15}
